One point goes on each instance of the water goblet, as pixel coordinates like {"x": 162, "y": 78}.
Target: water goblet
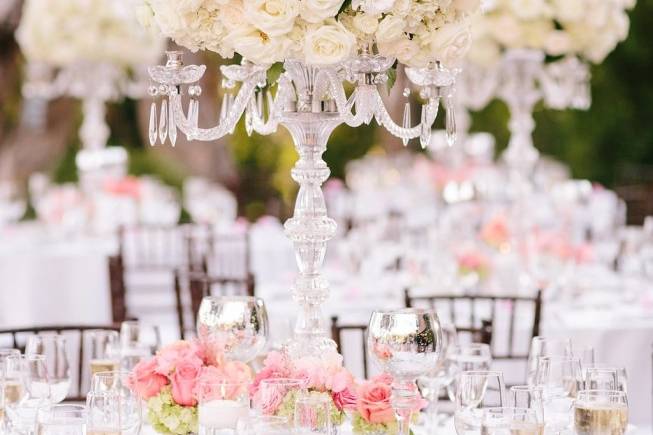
{"x": 510, "y": 421}
{"x": 601, "y": 412}
{"x": 477, "y": 390}
{"x": 53, "y": 348}
{"x": 406, "y": 344}
{"x": 472, "y": 356}
{"x": 61, "y": 420}
{"x": 313, "y": 414}
{"x": 546, "y": 346}
{"x": 220, "y": 405}
{"x": 236, "y": 325}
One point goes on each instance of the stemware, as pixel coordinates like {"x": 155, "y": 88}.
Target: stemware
{"x": 477, "y": 391}
{"x": 53, "y": 348}
{"x": 313, "y": 415}
{"x": 405, "y": 343}
{"x": 560, "y": 378}
{"x": 601, "y": 412}
{"x": 509, "y": 421}
{"x": 606, "y": 377}
{"x": 545, "y": 346}
{"x": 112, "y": 412}
{"x": 529, "y": 397}
{"x": 439, "y": 377}
{"x": 237, "y": 325}
{"x": 26, "y": 390}
{"x": 61, "y": 420}
{"x": 220, "y": 405}
{"x": 473, "y": 356}
{"x": 104, "y": 351}
{"x": 137, "y": 341}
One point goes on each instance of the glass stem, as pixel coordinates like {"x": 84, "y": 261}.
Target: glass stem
{"x": 404, "y": 395}
{"x": 432, "y": 421}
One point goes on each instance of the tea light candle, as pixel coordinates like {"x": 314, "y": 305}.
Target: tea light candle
{"x": 221, "y": 414}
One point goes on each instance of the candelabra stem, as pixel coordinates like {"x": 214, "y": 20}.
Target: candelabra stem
{"x": 94, "y": 132}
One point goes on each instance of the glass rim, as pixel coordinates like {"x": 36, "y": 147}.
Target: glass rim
{"x": 278, "y": 381}
{"x": 592, "y": 392}
{"x": 513, "y": 409}
{"x": 538, "y": 388}
{"x": 481, "y": 372}
{"x": 233, "y": 298}
{"x": 404, "y": 311}
{"x": 557, "y": 358}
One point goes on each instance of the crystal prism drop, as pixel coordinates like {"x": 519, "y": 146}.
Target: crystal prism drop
{"x": 223, "y": 108}
{"x": 450, "y": 124}
{"x": 406, "y": 122}
{"x": 152, "y": 130}
{"x": 259, "y": 105}
{"x": 172, "y": 127}
{"x": 229, "y": 106}
{"x": 194, "y": 113}
{"x": 425, "y": 132}
{"x": 249, "y": 122}
{"x": 270, "y": 100}
{"x": 163, "y": 121}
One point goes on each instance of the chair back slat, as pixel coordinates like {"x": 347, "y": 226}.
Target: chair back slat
{"x": 336, "y": 334}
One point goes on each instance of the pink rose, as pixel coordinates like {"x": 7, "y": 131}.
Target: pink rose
{"x": 344, "y": 399}
{"x": 268, "y": 399}
{"x": 169, "y": 356}
{"x": 144, "y": 380}
{"x": 374, "y": 403}
{"x": 184, "y": 380}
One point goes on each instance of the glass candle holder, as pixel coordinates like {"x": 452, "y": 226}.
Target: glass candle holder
{"x": 220, "y": 405}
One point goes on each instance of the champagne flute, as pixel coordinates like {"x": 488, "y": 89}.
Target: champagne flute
{"x": 235, "y": 325}
{"x": 473, "y": 356}
{"x": 560, "y": 378}
{"x": 529, "y": 397}
{"x": 53, "y": 348}
{"x": 439, "y": 377}
{"x": 406, "y": 343}
{"x": 546, "y": 346}
{"x": 601, "y": 412}
{"x": 510, "y": 421}
{"x": 477, "y": 391}
{"x": 313, "y": 414}
{"x": 104, "y": 351}
{"x": 61, "y": 420}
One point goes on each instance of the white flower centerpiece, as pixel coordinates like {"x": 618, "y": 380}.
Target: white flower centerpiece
{"x": 295, "y": 58}
{"x": 90, "y": 50}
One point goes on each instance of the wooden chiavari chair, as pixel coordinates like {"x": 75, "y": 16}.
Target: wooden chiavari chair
{"x": 17, "y": 338}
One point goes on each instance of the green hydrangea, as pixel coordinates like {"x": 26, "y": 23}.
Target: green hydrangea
{"x": 287, "y": 407}
{"x": 166, "y": 417}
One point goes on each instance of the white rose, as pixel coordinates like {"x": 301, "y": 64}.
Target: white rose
{"x": 403, "y": 49}
{"x": 256, "y": 46}
{"x": 232, "y": 15}
{"x": 365, "y": 23}
{"x": 530, "y": 9}
{"x": 391, "y": 28}
{"x": 316, "y": 11}
{"x": 557, "y": 43}
{"x": 374, "y": 7}
{"x": 328, "y": 44}
{"x": 569, "y": 11}
{"x": 274, "y": 17}
{"x": 450, "y": 43}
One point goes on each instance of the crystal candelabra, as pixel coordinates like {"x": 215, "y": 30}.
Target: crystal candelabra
{"x": 94, "y": 84}
{"x": 310, "y": 102}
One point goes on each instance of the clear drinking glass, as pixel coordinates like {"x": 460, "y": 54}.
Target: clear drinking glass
{"x": 510, "y": 421}
{"x": 4, "y": 354}
{"x": 116, "y": 381}
{"x": 601, "y": 412}
{"x": 53, "y": 348}
{"x": 221, "y": 405}
{"x": 268, "y": 397}
{"x": 597, "y": 374}
{"x": 530, "y": 397}
{"x": 439, "y": 377}
{"x": 27, "y": 389}
{"x": 114, "y": 412}
{"x": 473, "y": 356}
{"x": 104, "y": 351}
{"x": 405, "y": 343}
{"x": 263, "y": 425}
{"x": 61, "y": 420}
{"x": 137, "y": 341}
{"x": 236, "y": 325}
{"x": 546, "y": 346}
{"x": 560, "y": 379}
{"x": 313, "y": 414}
{"x": 477, "y": 391}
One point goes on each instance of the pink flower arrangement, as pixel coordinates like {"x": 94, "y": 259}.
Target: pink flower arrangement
{"x": 127, "y": 186}
{"x": 173, "y": 375}
{"x": 496, "y": 232}
{"x": 472, "y": 261}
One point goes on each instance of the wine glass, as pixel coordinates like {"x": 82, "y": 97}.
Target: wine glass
{"x": 601, "y": 412}
{"x": 406, "y": 343}
{"x": 236, "y": 325}
{"x": 27, "y": 389}
{"x": 560, "y": 378}
{"x": 477, "y": 390}
{"x": 546, "y": 346}
{"x": 530, "y": 397}
{"x": 439, "y": 377}
{"x": 473, "y": 356}
{"x": 53, "y": 348}
{"x": 137, "y": 341}
{"x": 313, "y": 414}
{"x": 509, "y": 421}
{"x": 104, "y": 350}
{"x": 272, "y": 392}
{"x": 220, "y": 405}
{"x": 61, "y": 420}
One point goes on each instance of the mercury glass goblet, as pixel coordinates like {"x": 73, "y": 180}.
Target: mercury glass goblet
{"x": 235, "y": 325}
{"x": 405, "y": 343}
